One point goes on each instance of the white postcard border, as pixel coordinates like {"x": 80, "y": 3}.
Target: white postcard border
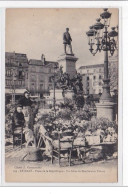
{"x": 70, "y": 5}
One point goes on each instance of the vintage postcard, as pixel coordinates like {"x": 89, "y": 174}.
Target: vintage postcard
{"x": 61, "y": 95}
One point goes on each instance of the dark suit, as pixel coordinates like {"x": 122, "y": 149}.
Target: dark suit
{"x": 25, "y": 101}
{"x": 18, "y": 120}
{"x": 67, "y": 38}
{"x": 27, "y": 111}
{"x": 67, "y": 41}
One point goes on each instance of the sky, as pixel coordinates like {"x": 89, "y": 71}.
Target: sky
{"x": 40, "y": 31}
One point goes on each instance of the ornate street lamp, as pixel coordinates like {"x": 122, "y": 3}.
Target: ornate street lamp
{"x": 99, "y": 39}
{"x": 54, "y": 87}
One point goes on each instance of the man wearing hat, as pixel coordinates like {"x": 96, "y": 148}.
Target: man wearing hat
{"x": 26, "y": 103}
{"x": 67, "y": 41}
{"x": 25, "y": 100}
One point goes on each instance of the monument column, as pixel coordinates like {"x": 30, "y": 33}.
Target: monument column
{"x": 68, "y": 60}
{"x": 68, "y": 64}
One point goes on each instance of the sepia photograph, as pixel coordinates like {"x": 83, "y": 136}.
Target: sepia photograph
{"x": 61, "y": 95}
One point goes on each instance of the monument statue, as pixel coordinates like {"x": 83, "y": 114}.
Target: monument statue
{"x": 67, "y": 41}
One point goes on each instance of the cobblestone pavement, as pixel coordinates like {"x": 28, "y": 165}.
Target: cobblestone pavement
{"x": 16, "y": 154}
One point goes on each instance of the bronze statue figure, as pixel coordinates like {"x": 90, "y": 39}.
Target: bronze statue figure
{"x": 67, "y": 41}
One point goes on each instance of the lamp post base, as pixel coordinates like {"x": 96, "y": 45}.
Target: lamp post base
{"x": 105, "y": 109}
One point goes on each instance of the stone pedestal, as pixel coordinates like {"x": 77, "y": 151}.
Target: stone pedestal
{"x": 105, "y": 109}
{"x": 68, "y": 62}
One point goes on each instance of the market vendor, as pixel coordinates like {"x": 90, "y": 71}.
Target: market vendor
{"x": 18, "y": 120}
{"x": 26, "y": 103}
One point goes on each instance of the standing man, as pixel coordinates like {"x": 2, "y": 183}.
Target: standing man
{"x": 25, "y": 100}
{"x": 67, "y": 41}
{"x": 26, "y": 103}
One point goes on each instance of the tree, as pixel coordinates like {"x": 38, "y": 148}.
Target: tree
{"x": 113, "y": 73}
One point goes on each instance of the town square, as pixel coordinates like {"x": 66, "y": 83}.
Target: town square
{"x": 61, "y": 93}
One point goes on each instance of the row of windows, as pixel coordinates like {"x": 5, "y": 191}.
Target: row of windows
{"x": 94, "y": 91}
{"x": 19, "y": 74}
{"x": 46, "y": 70}
{"x": 33, "y": 79}
{"x": 95, "y": 83}
{"x": 17, "y": 83}
{"x": 33, "y": 86}
{"x": 94, "y": 77}
{"x": 95, "y": 70}
{"x": 9, "y": 73}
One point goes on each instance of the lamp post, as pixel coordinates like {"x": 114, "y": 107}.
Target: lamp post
{"x": 14, "y": 78}
{"x": 99, "y": 39}
{"x": 54, "y": 88}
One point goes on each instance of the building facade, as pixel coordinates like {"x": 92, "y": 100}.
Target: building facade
{"x": 16, "y": 73}
{"x": 40, "y": 74}
{"x": 92, "y": 77}
{"x": 22, "y": 74}
{"x": 36, "y": 75}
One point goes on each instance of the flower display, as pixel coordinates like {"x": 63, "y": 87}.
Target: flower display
{"x": 71, "y": 121}
{"x": 76, "y": 122}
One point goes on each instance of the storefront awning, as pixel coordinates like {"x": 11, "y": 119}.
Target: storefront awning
{"x": 17, "y": 91}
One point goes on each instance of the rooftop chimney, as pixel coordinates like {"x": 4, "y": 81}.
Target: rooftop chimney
{"x": 43, "y": 59}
